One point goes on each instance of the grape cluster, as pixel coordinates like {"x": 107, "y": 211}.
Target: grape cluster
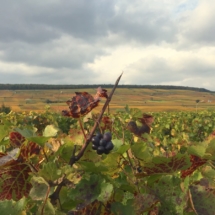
{"x": 102, "y": 143}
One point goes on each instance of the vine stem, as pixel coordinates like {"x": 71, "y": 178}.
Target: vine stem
{"x": 46, "y": 198}
{"x": 82, "y": 129}
{"x": 191, "y": 202}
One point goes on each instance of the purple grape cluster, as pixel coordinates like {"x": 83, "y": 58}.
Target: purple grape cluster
{"x": 102, "y": 143}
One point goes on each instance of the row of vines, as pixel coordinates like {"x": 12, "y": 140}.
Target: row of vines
{"x": 160, "y": 163}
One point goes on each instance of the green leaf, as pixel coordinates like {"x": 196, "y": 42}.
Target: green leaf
{"x": 92, "y": 167}
{"x": 140, "y": 150}
{"x": 122, "y": 149}
{"x": 106, "y": 192}
{"x": 65, "y": 151}
{"x": 26, "y": 132}
{"x": 86, "y": 191}
{"x": 50, "y": 131}
{"x": 10, "y": 207}
{"x": 210, "y": 151}
{"x": 117, "y": 144}
{"x": 111, "y": 162}
{"x": 198, "y": 150}
{"x": 119, "y": 209}
{"x": 48, "y": 208}
{"x": 49, "y": 171}
{"x": 39, "y": 189}
{"x": 143, "y": 202}
{"x": 3, "y": 131}
{"x": 39, "y": 140}
{"x": 203, "y": 198}
{"x": 172, "y": 198}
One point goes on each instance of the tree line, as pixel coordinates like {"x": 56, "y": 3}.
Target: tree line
{"x": 84, "y": 86}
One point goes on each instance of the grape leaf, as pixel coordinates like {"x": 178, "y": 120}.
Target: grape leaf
{"x": 106, "y": 192}
{"x": 12, "y": 207}
{"x": 163, "y": 165}
{"x": 81, "y": 104}
{"x": 86, "y": 191}
{"x": 3, "y": 131}
{"x": 49, "y": 171}
{"x": 40, "y": 140}
{"x": 203, "y": 197}
{"x": 50, "y": 131}
{"x": 39, "y": 188}
{"x": 14, "y": 179}
{"x": 26, "y": 132}
{"x": 198, "y": 150}
{"x": 92, "y": 167}
{"x": 119, "y": 209}
{"x": 172, "y": 198}
{"x": 143, "y": 202}
{"x": 141, "y": 151}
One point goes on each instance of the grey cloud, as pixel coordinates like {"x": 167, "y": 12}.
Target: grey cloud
{"x": 53, "y": 54}
{"x": 158, "y": 70}
{"x": 64, "y": 76}
{"x": 39, "y": 22}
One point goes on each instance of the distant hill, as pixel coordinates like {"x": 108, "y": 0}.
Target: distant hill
{"x": 83, "y": 86}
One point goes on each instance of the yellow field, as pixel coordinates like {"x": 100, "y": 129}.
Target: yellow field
{"x": 148, "y": 100}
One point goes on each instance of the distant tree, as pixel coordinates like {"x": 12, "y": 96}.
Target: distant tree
{"x": 197, "y": 101}
{"x": 4, "y": 109}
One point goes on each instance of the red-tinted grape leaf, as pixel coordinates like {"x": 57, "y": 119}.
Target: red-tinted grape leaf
{"x": 101, "y": 93}
{"x": 196, "y": 163}
{"x": 14, "y": 179}
{"x": 138, "y": 131}
{"x": 80, "y": 105}
{"x": 146, "y": 119}
{"x": 163, "y": 165}
{"x": 16, "y": 139}
{"x": 106, "y": 123}
{"x": 28, "y": 150}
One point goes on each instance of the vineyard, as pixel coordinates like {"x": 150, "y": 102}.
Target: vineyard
{"x": 123, "y": 163}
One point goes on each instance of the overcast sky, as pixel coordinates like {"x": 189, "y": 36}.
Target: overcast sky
{"x": 168, "y": 42}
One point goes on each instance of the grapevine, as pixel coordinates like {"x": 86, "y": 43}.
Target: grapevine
{"x": 128, "y": 162}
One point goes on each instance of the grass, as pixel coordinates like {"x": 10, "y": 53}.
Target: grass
{"x": 148, "y": 100}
